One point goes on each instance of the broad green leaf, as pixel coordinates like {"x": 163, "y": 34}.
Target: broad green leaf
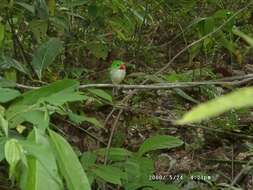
{"x": 235, "y": 100}
{"x": 64, "y": 96}
{"x": 42, "y": 172}
{"x": 7, "y": 94}
{"x": 34, "y": 96}
{"x": 30, "y": 106}
{"x": 13, "y": 154}
{"x": 102, "y": 94}
{"x": 159, "y": 142}
{"x": 110, "y": 174}
{"x": 30, "y": 113}
{"x": 28, "y": 7}
{"x": 115, "y": 154}
{"x": 138, "y": 170}
{"x": 6, "y": 83}
{"x": 78, "y": 119}
{"x": 70, "y": 167}
{"x": 244, "y": 36}
{"x": 45, "y": 55}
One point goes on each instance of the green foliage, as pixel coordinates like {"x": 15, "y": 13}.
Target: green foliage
{"x": 56, "y": 41}
{"x": 159, "y": 142}
{"x": 235, "y": 100}
{"x": 133, "y": 169}
{"x": 41, "y": 171}
{"x": 45, "y": 55}
{"x": 8, "y": 94}
{"x": 69, "y": 164}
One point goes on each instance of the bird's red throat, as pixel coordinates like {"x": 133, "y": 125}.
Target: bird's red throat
{"x": 122, "y": 67}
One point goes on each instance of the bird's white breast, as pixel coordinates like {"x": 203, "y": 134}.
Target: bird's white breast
{"x": 117, "y": 75}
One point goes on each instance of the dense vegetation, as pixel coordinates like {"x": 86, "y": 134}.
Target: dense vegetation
{"x": 60, "y": 130}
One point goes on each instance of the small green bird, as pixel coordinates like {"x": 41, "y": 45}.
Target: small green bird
{"x": 117, "y": 73}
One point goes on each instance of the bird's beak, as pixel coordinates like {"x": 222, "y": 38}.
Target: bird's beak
{"x": 122, "y": 67}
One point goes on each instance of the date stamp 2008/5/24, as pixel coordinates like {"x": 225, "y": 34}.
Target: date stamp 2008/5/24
{"x": 179, "y": 177}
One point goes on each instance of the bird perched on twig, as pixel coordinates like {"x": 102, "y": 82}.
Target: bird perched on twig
{"x": 117, "y": 73}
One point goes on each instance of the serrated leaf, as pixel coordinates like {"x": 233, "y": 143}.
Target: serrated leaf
{"x": 70, "y": 167}
{"x": 45, "y": 55}
{"x": 235, "y": 100}
{"x": 102, "y": 94}
{"x": 159, "y": 142}
{"x": 7, "y": 94}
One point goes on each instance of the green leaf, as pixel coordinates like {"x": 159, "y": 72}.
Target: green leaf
{"x": 64, "y": 96}
{"x": 235, "y": 100}
{"x": 6, "y": 83}
{"x": 138, "y": 170}
{"x": 68, "y": 162}
{"x": 34, "y": 96}
{"x": 7, "y": 94}
{"x": 78, "y": 119}
{"x": 88, "y": 159}
{"x": 115, "y": 154}
{"x": 244, "y": 36}
{"x": 28, "y": 7}
{"x": 184, "y": 95}
{"x": 13, "y": 153}
{"x": 31, "y": 106}
{"x": 45, "y": 55}
{"x": 102, "y": 94}
{"x": 8, "y": 62}
{"x": 159, "y": 142}
{"x": 110, "y": 174}
{"x": 42, "y": 172}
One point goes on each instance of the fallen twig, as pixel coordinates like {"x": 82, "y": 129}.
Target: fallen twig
{"x": 159, "y": 85}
